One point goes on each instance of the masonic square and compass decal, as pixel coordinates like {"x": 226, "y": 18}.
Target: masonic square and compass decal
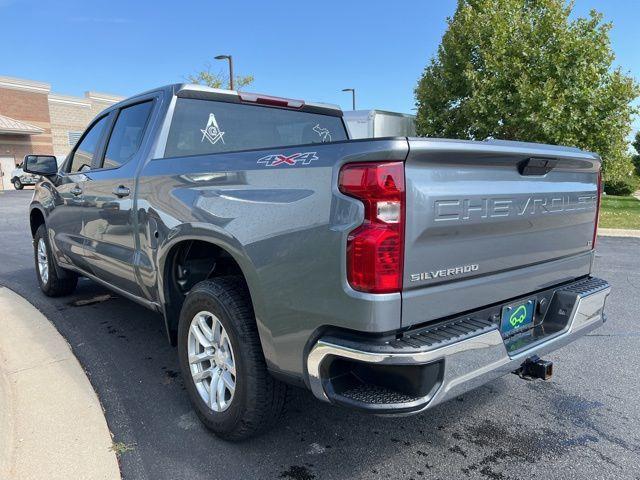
{"x": 212, "y": 131}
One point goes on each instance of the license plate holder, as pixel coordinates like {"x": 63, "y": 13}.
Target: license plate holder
{"x": 517, "y": 317}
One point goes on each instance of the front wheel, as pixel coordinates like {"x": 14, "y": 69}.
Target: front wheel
{"x": 222, "y": 362}
{"x": 17, "y": 184}
{"x": 53, "y": 282}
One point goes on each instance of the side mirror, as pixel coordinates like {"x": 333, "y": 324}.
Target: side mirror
{"x": 45, "y": 165}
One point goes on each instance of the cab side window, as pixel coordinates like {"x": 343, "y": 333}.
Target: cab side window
{"x": 84, "y": 153}
{"x": 127, "y": 134}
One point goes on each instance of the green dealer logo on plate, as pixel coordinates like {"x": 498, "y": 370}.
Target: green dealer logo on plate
{"x": 518, "y": 316}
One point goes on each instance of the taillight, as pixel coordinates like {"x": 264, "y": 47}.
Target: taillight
{"x": 595, "y": 228}
{"x": 375, "y": 249}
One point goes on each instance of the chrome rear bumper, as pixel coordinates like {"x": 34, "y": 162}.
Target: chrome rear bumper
{"x": 468, "y": 363}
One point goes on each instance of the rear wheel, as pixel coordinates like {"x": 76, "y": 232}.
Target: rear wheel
{"x": 17, "y": 184}
{"x": 53, "y": 281}
{"x": 222, "y": 362}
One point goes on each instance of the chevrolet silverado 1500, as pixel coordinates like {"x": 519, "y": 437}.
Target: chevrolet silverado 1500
{"x": 386, "y": 275}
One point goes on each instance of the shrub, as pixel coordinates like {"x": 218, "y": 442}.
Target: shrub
{"x": 636, "y": 164}
{"x": 621, "y": 186}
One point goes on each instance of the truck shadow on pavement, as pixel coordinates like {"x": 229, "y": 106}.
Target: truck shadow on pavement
{"x": 506, "y": 429}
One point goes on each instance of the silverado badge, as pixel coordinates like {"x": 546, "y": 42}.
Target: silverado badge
{"x": 445, "y": 272}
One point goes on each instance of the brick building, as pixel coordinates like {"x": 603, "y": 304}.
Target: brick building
{"x": 34, "y": 120}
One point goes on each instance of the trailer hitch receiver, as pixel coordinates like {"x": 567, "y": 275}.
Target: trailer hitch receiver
{"x": 535, "y": 367}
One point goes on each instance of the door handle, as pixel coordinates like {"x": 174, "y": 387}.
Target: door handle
{"x": 76, "y": 191}
{"x": 121, "y": 191}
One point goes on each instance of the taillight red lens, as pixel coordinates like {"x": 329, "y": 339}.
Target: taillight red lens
{"x": 595, "y": 228}
{"x": 375, "y": 250}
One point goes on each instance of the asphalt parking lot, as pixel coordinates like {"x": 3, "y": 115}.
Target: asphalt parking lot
{"x": 584, "y": 423}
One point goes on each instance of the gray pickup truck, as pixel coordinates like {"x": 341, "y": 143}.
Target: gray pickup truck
{"x": 386, "y": 275}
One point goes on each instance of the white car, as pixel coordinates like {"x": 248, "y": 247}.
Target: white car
{"x": 19, "y": 178}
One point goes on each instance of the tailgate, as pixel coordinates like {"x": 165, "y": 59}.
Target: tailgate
{"x": 511, "y": 216}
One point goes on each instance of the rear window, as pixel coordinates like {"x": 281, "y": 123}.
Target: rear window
{"x": 204, "y": 126}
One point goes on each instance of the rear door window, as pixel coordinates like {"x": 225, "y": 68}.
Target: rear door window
{"x": 127, "y": 134}
{"x": 204, "y": 126}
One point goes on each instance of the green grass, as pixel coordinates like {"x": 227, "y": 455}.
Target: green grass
{"x": 121, "y": 448}
{"x": 619, "y": 212}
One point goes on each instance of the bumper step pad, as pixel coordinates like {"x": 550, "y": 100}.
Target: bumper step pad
{"x": 585, "y": 287}
{"x": 443, "y": 334}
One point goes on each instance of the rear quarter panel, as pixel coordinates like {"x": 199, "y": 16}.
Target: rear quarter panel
{"x": 285, "y": 225}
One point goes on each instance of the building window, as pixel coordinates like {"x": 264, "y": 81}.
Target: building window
{"x": 73, "y": 138}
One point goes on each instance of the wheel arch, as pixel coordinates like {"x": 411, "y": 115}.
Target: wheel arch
{"x": 37, "y": 217}
{"x": 237, "y": 260}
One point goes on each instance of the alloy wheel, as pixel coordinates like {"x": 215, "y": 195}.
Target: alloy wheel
{"x": 211, "y": 361}
{"x": 43, "y": 261}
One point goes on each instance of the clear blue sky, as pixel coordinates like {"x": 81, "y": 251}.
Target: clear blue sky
{"x": 299, "y": 49}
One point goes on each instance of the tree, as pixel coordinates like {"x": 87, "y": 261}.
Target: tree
{"x": 523, "y": 70}
{"x": 218, "y": 80}
{"x": 636, "y": 158}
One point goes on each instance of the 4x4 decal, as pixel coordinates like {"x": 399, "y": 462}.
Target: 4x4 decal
{"x": 297, "y": 158}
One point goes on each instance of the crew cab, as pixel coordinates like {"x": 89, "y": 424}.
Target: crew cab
{"x": 386, "y": 275}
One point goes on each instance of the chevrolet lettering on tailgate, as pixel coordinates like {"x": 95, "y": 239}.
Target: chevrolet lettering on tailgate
{"x": 464, "y": 209}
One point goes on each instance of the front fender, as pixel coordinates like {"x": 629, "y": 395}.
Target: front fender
{"x": 36, "y": 206}
{"x": 38, "y": 215}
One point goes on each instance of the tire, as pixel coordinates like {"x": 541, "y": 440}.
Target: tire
{"x": 57, "y": 281}
{"x": 258, "y": 399}
{"x": 17, "y": 184}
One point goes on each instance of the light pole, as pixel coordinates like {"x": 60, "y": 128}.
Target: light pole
{"x": 353, "y": 96}
{"x": 230, "y": 58}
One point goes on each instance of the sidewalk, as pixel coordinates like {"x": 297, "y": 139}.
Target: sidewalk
{"x": 618, "y": 232}
{"x": 51, "y": 422}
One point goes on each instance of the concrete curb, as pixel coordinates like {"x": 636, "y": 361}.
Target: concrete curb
{"x": 51, "y": 422}
{"x": 6, "y": 424}
{"x": 618, "y": 232}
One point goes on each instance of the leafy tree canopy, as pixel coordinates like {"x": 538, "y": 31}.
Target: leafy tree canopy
{"x": 218, "y": 80}
{"x": 524, "y": 70}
